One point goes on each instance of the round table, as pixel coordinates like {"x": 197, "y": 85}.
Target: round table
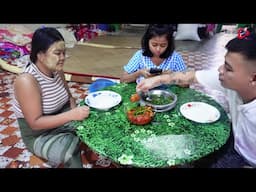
{"x": 169, "y": 140}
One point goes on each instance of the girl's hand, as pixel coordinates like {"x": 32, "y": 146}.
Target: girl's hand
{"x": 167, "y": 72}
{"x": 145, "y": 73}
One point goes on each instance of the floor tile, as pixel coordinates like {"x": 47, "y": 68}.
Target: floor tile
{"x": 4, "y": 161}
{"x": 5, "y": 106}
{"x": 16, "y": 164}
{"x": 13, "y": 152}
{"x": 2, "y": 136}
{"x": 5, "y": 100}
{"x": 34, "y": 160}
{"x": 10, "y": 140}
{"x": 7, "y": 121}
{"x": 3, "y": 149}
{"x": 9, "y": 130}
{"x": 24, "y": 156}
{"x": 6, "y": 113}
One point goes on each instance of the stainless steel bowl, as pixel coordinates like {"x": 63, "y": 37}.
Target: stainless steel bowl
{"x": 148, "y": 97}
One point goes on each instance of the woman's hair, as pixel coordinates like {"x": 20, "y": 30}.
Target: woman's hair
{"x": 42, "y": 39}
{"x": 154, "y": 30}
{"x": 244, "y": 43}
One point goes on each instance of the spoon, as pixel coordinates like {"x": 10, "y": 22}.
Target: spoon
{"x": 144, "y": 95}
{"x": 148, "y": 98}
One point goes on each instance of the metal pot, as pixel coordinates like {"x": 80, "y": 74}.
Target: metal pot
{"x": 149, "y": 99}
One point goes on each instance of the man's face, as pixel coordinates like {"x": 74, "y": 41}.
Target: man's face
{"x": 236, "y": 72}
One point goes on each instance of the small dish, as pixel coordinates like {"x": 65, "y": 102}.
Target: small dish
{"x": 159, "y": 100}
{"x": 103, "y": 100}
{"x": 140, "y": 115}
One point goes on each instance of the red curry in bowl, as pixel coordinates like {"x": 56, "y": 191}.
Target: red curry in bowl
{"x": 140, "y": 115}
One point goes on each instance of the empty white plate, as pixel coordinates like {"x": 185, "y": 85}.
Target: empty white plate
{"x": 200, "y": 112}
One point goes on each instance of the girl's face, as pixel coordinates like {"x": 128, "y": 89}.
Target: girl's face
{"x": 158, "y": 45}
{"x": 55, "y": 56}
{"x": 235, "y": 73}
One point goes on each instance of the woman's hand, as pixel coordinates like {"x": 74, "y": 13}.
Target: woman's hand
{"x": 79, "y": 113}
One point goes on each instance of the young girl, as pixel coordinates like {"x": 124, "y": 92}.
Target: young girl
{"x": 157, "y": 53}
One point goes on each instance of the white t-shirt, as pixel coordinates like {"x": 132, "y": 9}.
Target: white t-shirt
{"x": 242, "y": 115}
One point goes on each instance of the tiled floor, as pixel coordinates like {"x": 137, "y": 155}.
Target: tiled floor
{"x": 13, "y": 153}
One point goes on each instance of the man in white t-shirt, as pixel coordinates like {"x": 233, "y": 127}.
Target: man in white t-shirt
{"x": 236, "y": 78}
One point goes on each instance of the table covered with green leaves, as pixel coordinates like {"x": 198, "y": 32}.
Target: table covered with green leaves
{"x": 169, "y": 140}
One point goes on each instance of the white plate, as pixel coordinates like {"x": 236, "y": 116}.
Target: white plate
{"x": 103, "y": 100}
{"x": 200, "y": 112}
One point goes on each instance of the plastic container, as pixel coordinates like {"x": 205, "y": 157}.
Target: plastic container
{"x": 100, "y": 84}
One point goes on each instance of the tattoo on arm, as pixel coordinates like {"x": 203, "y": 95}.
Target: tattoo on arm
{"x": 184, "y": 77}
{"x": 178, "y": 81}
{"x": 173, "y": 82}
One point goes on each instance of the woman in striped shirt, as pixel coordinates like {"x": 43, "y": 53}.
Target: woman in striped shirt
{"x": 157, "y": 55}
{"x": 44, "y": 105}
